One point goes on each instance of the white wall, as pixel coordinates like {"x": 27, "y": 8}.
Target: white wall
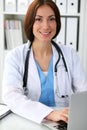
{"x": 85, "y": 38}
{"x": 1, "y": 46}
{"x": 83, "y": 35}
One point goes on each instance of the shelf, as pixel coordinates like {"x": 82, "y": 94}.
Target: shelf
{"x": 71, "y": 15}
{"x": 23, "y": 13}
{"x": 13, "y": 13}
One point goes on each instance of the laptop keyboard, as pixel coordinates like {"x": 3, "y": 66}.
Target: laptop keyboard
{"x": 61, "y": 125}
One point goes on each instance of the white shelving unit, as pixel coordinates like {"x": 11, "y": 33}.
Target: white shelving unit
{"x": 1, "y": 44}
{"x": 19, "y": 15}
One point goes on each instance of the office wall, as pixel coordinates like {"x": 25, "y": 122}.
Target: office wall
{"x": 83, "y": 36}
{"x": 85, "y": 40}
{"x": 1, "y": 46}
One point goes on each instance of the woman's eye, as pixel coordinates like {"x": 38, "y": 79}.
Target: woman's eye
{"x": 37, "y": 19}
{"x": 52, "y": 19}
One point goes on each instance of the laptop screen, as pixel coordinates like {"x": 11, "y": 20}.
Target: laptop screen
{"x": 78, "y": 111}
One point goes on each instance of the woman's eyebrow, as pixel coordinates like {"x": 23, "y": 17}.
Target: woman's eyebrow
{"x": 42, "y": 16}
{"x": 52, "y": 16}
{"x": 38, "y": 16}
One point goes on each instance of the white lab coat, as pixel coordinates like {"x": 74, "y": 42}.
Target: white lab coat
{"x": 28, "y": 106}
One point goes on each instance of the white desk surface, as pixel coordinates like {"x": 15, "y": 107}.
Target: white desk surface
{"x": 15, "y": 122}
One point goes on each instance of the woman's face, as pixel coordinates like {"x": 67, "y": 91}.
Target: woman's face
{"x": 44, "y": 27}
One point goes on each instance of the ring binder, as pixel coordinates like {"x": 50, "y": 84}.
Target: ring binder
{"x": 61, "y": 36}
{"x": 73, "y": 6}
{"x": 61, "y": 5}
{"x": 72, "y": 32}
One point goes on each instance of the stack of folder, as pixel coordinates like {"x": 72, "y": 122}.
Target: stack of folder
{"x": 68, "y": 6}
{"x": 69, "y": 33}
{"x": 13, "y": 33}
{"x": 16, "y": 5}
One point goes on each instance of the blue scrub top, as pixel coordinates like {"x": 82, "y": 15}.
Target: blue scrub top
{"x": 47, "y": 85}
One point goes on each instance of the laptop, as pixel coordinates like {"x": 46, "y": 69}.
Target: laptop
{"x": 77, "y": 114}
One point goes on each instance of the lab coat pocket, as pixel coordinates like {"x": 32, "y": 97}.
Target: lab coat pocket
{"x": 62, "y": 90}
{"x": 61, "y": 102}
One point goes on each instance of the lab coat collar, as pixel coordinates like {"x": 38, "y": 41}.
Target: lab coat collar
{"x": 32, "y": 67}
{"x": 55, "y": 57}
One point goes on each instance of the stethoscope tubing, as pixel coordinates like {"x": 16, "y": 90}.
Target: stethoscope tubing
{"x": 55, "y": 68}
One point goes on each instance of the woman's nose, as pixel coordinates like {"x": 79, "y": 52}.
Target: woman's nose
{"x": 45, "y": 24}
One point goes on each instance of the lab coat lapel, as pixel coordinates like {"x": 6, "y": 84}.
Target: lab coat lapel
{"x": 63, "y": 76}
{"x": 33, "y": 70}
{"x": 55, "y": 55}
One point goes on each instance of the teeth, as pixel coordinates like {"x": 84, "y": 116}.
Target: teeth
{"x": 45, "y": 33}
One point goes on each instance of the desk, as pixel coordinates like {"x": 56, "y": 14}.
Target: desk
{"x": 15, "y": 122}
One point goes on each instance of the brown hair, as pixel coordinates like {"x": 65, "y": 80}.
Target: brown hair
{"x": 31, "y": 13}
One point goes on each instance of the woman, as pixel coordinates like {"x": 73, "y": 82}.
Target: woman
{"x": 48, "y": 85}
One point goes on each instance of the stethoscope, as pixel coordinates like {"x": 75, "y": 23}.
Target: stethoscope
{"x": 55, "y": 68}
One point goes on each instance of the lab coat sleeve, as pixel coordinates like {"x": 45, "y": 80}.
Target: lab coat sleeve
{"x": 13, "y": 93}
{"x": 79, "y": 78}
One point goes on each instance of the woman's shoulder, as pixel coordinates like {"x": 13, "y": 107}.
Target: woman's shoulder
{"x": 67, "y": 50}
{"x": 19, "y": 49}
{"x": 69, "y": 53}
{"x": 18, "y": 52}
{"x": 64, "y": 47}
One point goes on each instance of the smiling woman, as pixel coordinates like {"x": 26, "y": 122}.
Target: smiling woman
{"x": 31, "y": 15}
{"x": 41, "y": 74}
{"x": 44, "y": 27}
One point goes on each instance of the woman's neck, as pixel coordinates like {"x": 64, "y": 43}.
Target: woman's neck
{"x": 42, "y": 54}
{"x": 42, "y": 49}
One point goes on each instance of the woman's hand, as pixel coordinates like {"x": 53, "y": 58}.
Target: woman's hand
{"x": 57, "y": 115}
